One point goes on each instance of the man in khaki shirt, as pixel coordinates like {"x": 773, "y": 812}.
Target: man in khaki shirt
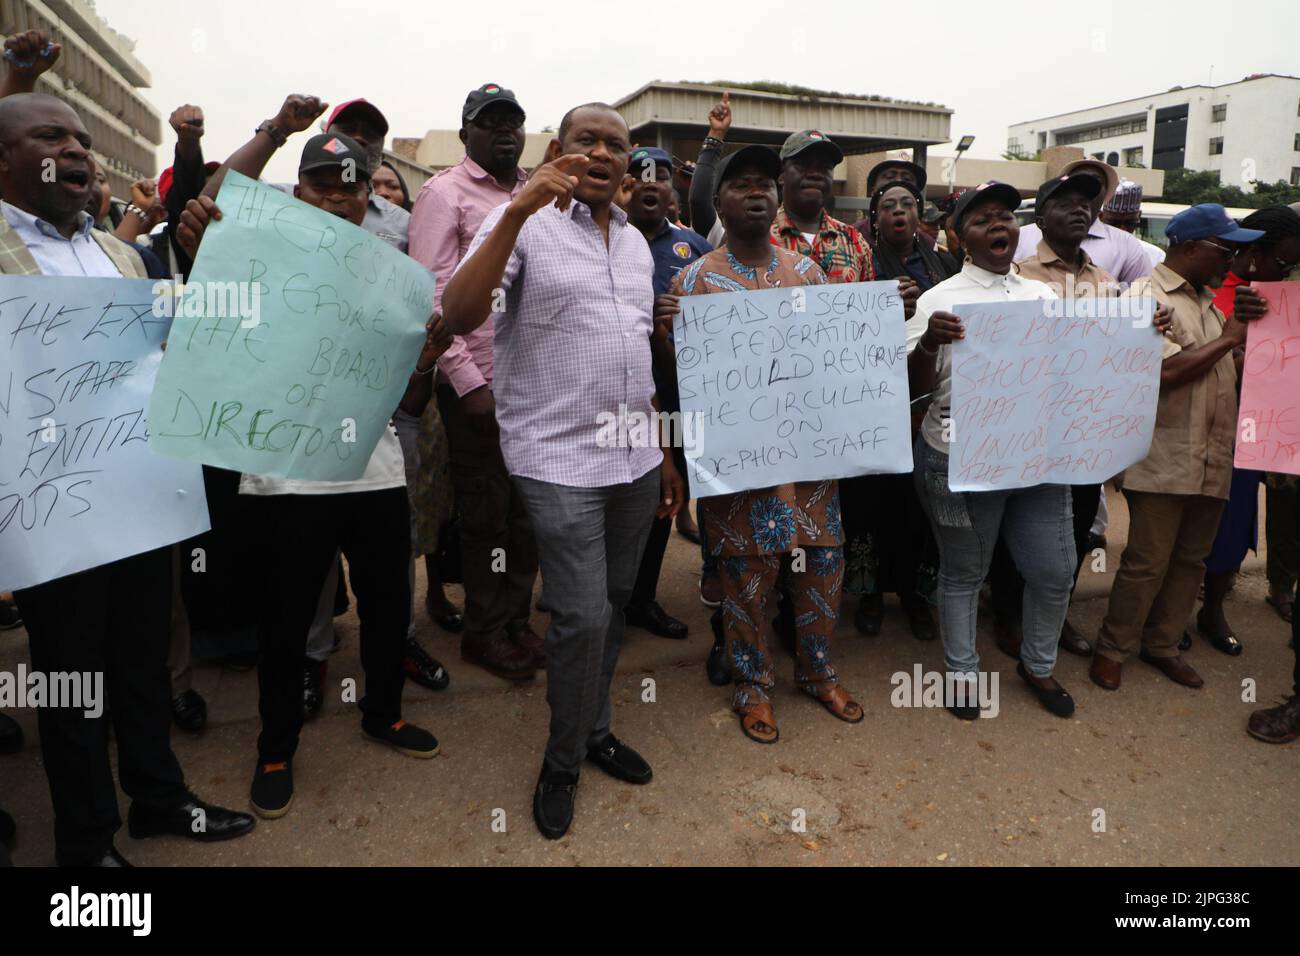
{"x": 1063, "y": 210}
{"x": 1177, "y": 493}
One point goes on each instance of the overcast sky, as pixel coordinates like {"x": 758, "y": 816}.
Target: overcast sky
{"x": 993, "y": 62}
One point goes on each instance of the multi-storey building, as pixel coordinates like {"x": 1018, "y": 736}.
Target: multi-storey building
{"x": 98, "y": 75}
{"x": 1247, "y": 132}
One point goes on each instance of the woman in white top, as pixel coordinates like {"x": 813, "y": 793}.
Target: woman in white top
{"x": 1036, "y": 522}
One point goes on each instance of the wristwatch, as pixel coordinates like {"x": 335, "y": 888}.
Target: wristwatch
{"x": 270, "y": 129}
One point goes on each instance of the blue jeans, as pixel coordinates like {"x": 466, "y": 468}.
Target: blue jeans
{"x": 1037, "y": 525}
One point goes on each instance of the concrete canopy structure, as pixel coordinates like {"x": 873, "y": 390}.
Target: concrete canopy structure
{"x": 675, "y": 117}
{"x": 97, "y": 74}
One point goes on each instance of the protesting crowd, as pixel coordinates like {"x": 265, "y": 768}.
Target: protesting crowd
{"x": 554, "y": 299}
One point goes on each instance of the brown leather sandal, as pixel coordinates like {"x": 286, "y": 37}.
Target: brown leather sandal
{"x": 759, "y": 724}
{"x": 840, "y": 703}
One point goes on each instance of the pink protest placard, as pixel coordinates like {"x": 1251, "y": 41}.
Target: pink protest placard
{"x": 1268, "y": 428}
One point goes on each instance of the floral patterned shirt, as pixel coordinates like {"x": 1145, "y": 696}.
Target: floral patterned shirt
{"x": 838, "y": 248}
{"x": 764, "y": 521}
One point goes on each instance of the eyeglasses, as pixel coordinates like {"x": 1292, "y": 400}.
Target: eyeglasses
{"x": 498, "y": 119}
{"x": 1226, "y": 251}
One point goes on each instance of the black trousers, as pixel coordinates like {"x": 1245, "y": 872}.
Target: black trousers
{"x": 652, "y": 559}
{"x": 886, "y": 511}
{"x": 1295, "y": 646}
{"x": 302, "y": 532}
{"x": 113, "y": 620}
{"x": 1008, "y": 586}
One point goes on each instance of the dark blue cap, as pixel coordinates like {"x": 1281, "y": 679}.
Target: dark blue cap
{"x": 643, "y": 156}
{"x": 1207, "y": 220}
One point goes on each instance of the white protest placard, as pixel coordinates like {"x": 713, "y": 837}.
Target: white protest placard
{"x": 79, "y": 486}
{"x": 1052, "y": 391}
{"x": 798, "y": 384}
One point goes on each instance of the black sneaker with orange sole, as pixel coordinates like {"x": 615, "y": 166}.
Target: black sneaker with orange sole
{"x": 271, "y": 794}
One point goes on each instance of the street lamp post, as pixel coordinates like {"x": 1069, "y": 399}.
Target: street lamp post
{"x": 963, "y": 144}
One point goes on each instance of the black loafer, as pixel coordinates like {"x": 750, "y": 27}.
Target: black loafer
{"x": 313, "y": 688}
{"x": 110, "y": 858}
{"x": 553, "y": 802}
{"x": 1223, "y": 643}
{"x": 1074, "y": 642}
{"x": 619, "y": 760}
{"x": 919, "y": 617}
{"x": 193, "y": 819}
{"x": 656, "y": 620}
{"x": 445, "y": 616}
{"x": 869, "y": 615}
{"x": 969, "y": 708}
{"x": 190, "y": 712}
{"x": 11, "y": 735}
{"x": 1058, "y": 700}
{"x": 715, "y": 665}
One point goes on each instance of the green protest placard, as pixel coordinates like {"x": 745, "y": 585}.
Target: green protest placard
{"x": 292, "y": 341}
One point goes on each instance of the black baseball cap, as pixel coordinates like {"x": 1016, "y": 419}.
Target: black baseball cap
{"x": 1090, "y": 186}
{"x": 485, "y": 96}
{"x": 1004, "y": 193}
{"x": 762, "y": 156}
{"x": 333, "y": 149}
{"x": 917, "y": 171}
{"x": 809, "y": 140}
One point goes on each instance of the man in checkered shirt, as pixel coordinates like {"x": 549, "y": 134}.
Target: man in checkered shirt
{"x": 568, "y": 282}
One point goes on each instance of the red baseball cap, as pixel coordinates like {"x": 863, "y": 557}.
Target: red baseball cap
{"x": 166, "y": 176}
{"x": 360, "y": 104}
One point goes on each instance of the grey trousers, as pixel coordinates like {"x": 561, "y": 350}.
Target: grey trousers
{"x": 589, "y": 544}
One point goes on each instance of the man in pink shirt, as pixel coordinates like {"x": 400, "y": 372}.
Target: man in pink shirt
{"x": 499, "y": 555}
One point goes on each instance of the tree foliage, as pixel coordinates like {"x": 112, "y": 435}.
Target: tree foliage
{"x": 1189, "y": 186}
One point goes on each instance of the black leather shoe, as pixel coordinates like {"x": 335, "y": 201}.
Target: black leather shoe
{"x": 193, "y": 819}
{"x": 1074, "y": 642}
{"x": 919, "y": 617}
{"x": 190, "y": 712}
{"x": 715, "y": 665}
{"x": 423, "y": 669}
{"x": 1225, "y": 642}
{"x": 553, "y": 802}
{"x": 111, "y": 858}
{"x": 1056, "y": 699}
{"x": 10, "y": 617}
{"x": 11, "y": 735}
{"x": 656, "y": 620}
{"x": 619, "y": 760}
{"x": 313, "y": 692}
{"x": 869, "y": 615}
{"x": 445, "y": 615}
